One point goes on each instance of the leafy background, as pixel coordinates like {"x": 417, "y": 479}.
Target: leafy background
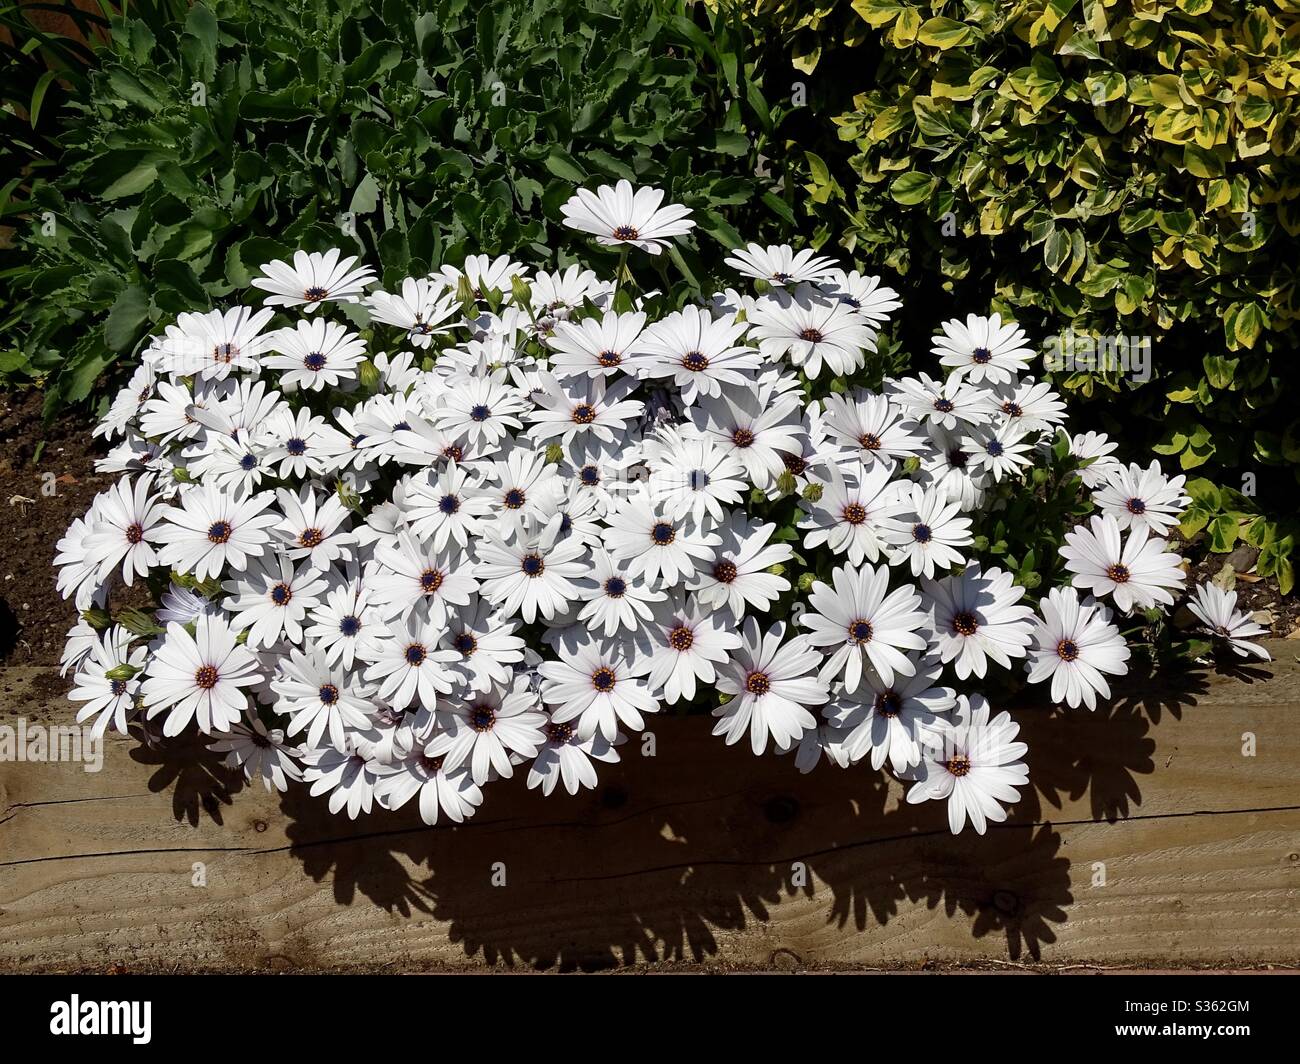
{"x": 1123, "y": 167}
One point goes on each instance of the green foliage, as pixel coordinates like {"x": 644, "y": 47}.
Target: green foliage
{"x": 1125, "y": 167}
{"x": 411, "y": 133}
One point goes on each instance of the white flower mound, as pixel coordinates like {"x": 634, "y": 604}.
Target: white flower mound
{"x": 522, "y": 535}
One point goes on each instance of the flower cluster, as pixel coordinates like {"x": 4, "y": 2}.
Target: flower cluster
{"x": 541, "y": 519}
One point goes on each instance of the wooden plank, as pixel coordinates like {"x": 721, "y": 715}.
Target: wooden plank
{"x": 1149, "y": 839}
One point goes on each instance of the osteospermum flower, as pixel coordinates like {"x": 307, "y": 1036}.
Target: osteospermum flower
{"x": 614, "y": 599}
{"x": 665, "y": 550}
{"x": 687, "y": 643}
{"x": 567, "y": 757}
{"x": 1097, "y": 451}
{"x": 1143, "y": 498}
{"x": 410, "y": 574}
{"x": 1137, "y": 572}
{"x": 999, "y": 450}
{"x": 595, "y": 347}
{"x": 1217, "y": 611}
{"x": 271, "y": 598}
{"x": 928, "y": 530}
{"x": 889, "y": 720}
{"x": 260, "y": 753}
{"x": 854, "y": 515}
{"x": 780, "y": 264}
{"x": 487, "y": 644}
{"x": 109, "y": 699}
{"x": 408, "y": 664}
{"x": 698, "y": 354}
{"x": 600, "y": 684}
{"x": 754, "y": 429}
{"x": 975, "y": 764}
{"x": 125, "y": 529}
{"x": 692, "y": 476}
{"x": 861, "y": 624}
{"x": 313, "y": 279}
{"x": 944, "y": 403}
{"x": 813, "y": 330}
{"x": 1076, "y": 645}
{"x": 983, "y": 349}
{"x": 422, "y": 310}
{"x": 531, "y": 576}
{"x": 210, "y": 530}
{"x": 347, "y": 777}
{"x": 746, "y": 570}
{"x": 773, "y": 687}
{"x": 315, "y": 354}
{"x": 319, "y": 697}
{"x": 483, "y": 274}
{"x": 976, "y": 617}
{"x": 448, "y": 505}
{"x": 618, "y": 217}
{"x": 579, "y": 410}
{"x": 200, "y": 677}
{"x": 871, "y": 428}
{"x": 486, "y": 730}
{"x": 865, "y": 296}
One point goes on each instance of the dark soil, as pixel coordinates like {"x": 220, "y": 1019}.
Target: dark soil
{"x": 42, "y": 488}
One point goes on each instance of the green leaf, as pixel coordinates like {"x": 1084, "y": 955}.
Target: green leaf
{"x": 129, "y": 312}
{"x": 911, "y": 188}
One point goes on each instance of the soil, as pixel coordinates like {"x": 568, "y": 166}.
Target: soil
{"x": 42, "y": 488}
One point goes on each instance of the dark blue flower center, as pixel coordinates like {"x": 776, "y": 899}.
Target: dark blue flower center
{"x": 248, "y": 462}
{"x": 589, "y": 475}
{"x": 662, "y": 534}
{"x": 281, "y": 594}
{"x": 329, "y": 694}
{"x": 515, "y": 498}
{"x": 349, "y": 626}
{"x": 449, "y": 504}
{"x": 219, "y": 531}
{"x": 296, "y": 445}
{"x": 921, "y": 533}
{"x": 415, "y": 654}
{"x": 479, "y": 412}
{"x": 615, "y": 587}
{"x": 314, "y": 361}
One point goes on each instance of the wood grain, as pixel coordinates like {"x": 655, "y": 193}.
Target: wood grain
{"x": 702, "y": 855}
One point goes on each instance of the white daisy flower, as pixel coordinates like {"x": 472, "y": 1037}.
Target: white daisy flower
{"x": 210, "y": 530}
{"x": 1031, "y": 404}
{"x": 577, "y": 410}
{"x": 983, "y": 349}
{"x": 531, "y": 576}
{"x": 950, "y": 469}
{"x": 523, "y": 489}
{"x": 348, "y": 778}
{"x": 567, "y": 757}
{"x": 1097, "y": 450}
{"x": 409, "y": 666}
{"x": 1217, "y": 611}
{"x": 945, "y": 403}
{"x": 315, "y": 354}
{"x": 740, "y": 575}
{"x": 555, "y": 297}
{"x": 182, "y": 605}
{"x": 665, "y": 550}
{"x": 619, "y": 217}
{"x": 345, "y": 627}
{"x": 690, "y": 475}
{"x": 125, "y": 529}
{"x": 454, "y": 795}
{"x": 199, "y": 677}
{"x": 1075, "y": 644}
{"x": 614, "y": 599}
{"x": 699, "y": 354}
{"x": 480, "y": 408}
{"x": 600, "y": 684}
{"x": 772, "y": 687}
{"x": 1137, "y": 572}
{"x": 321, "y": 697}
{"x": 259, "y": 753}
{"x": 447, "y": 504}
{"x": 999, "y": 451}
{"x": 408, "y": 574}
{"x": 812, "y": 329}
{"x": 215, "y": 344}
{"x": 975, "y": 617}
{"x": 862, "y": 624}
{"x": 422, "y": 310}
{"x": 81, "y": 641}
{"x": 865, "y": 296}
{"x": 1143, "y": 498}
{"x": 871, "y": 428}
{"x": 891, "y": 720}
{"x": 109, "y": 700}
{"x": 313, "y": 529}
{"x": 483, "y": 730}
{"x": 271, "y": 598}
{"x": 855, "y": 515}
{"x": 485, "y": 640}
{"x": 688, "y": 641}
{"x": 313, "y": 279}
{"x": 298, "y": 442}
{"x": 930, "y": 531}
{"x": 594, "y": 347}
{"x": 976, "y": 767}
{"x": 754, "y": 432}
{"x": 483, "y": 274}
{"x": 780, "y": 264}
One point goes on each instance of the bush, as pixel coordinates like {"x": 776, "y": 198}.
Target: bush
{"x": 1127, "y": 167}
{"x": 408, "y": 133}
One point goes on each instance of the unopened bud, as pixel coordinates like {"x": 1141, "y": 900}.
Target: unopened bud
{"x": 554, "y": 452}
{"x": 96, "y": 618}
{"x": 121, "y": 672}
{"x": 812, "y": 492}
{"x": 368, "y": 372}
{"x": 785, "y": 483}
